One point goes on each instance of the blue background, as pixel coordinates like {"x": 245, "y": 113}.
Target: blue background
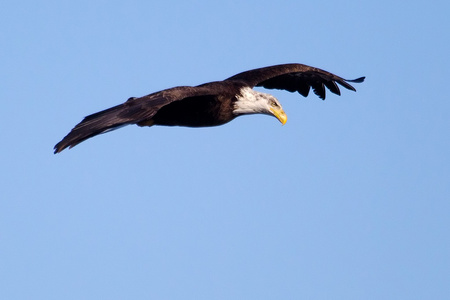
{"x": 348, "y": 200}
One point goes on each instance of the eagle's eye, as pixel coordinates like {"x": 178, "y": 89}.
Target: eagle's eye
{"x": 273, "y": 104}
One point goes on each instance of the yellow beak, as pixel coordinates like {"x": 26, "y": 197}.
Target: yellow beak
{"x": 279, "y": 114}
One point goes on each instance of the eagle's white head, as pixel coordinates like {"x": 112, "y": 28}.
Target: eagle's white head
{"x": 250, "y": 101}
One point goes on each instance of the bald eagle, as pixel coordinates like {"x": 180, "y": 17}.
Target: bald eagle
{"x": 210, "y": 104}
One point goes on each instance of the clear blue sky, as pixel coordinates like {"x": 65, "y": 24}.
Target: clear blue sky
{"x": 349, "y": 200}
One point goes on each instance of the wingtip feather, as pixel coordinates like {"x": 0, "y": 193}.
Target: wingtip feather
{"x": 357, "y": 80}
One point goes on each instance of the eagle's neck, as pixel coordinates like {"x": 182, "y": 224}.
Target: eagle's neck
{"x": 249, "y": 101}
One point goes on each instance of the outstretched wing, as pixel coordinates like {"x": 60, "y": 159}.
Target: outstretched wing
{"x": 295, "y": 78}
{"x": 133, "y": 111}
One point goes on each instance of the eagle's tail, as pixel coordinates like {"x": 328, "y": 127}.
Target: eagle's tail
{"x": 101, "y": 122}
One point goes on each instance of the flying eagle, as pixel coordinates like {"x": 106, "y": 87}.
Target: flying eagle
{"x": 210, "y": 104}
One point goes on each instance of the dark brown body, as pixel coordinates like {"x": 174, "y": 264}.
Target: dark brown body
{"x": 199, "y": 111}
